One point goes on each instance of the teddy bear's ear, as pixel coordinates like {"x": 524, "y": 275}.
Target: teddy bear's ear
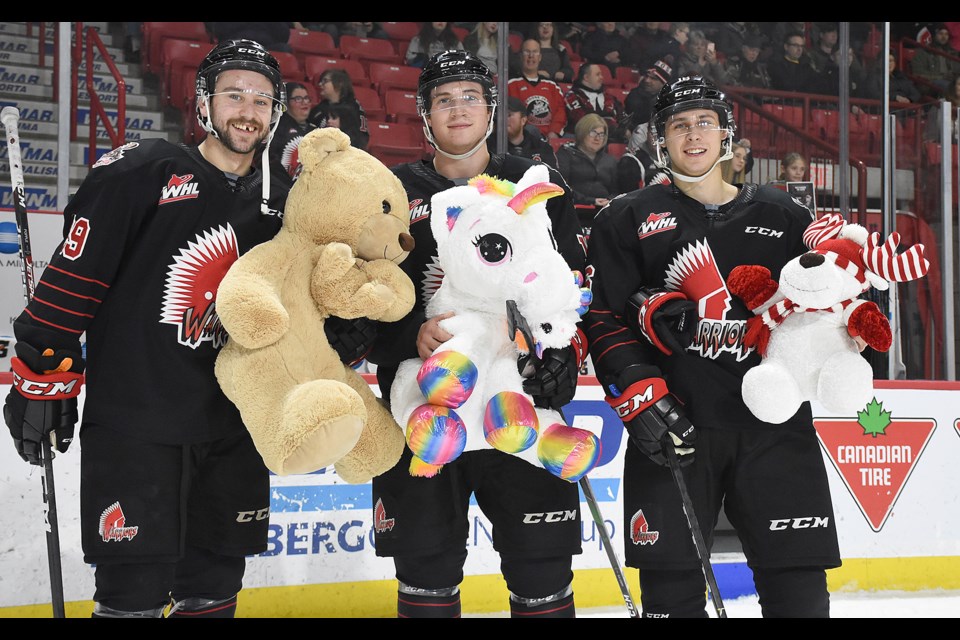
{"x": 320, "y": 143}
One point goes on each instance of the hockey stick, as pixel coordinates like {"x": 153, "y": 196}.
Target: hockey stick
{"x": 694, "y": 525}
{"x": 10, "y": 117}
{"x": 519, "y": 330}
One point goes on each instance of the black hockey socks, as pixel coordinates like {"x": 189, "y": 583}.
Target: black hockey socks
{"x": 204, "y": 608}
{"x": 413, "y": 602}
{"x": 673, "y": 594}
{"x": 799, "y": 592}
{"x": 556, "y": 606}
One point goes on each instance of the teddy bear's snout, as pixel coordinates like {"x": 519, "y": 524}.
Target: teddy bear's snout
{"x": 811, "y": 259}
{"x": 406, "y": 242}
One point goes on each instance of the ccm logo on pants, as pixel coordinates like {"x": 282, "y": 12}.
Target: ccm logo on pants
{"x": 549, "y": 516}
{"x": 807, "y": 522}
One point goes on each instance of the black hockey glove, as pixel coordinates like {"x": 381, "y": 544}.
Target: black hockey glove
{"x": 42, "y": 402}
{"x": 554, "y": 377}
{"x": 351, "y": 339}
{"x": 654, "y": 419}
{"x": 667, "y": 319}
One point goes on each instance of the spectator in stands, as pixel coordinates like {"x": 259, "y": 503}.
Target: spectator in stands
{"x": 793, "y": 168}
{"x": 524, "y": 139}
{"x": 554, "y": 57}
{"x": 902, "y": 88}
{"x": 639, "y": 103}
{"x": 776, "y": 32}
{"x": 336, "y": 87}
{"x": 735, "y": 169}
{"x": 284, "y": 156}
{"x": 637, "y": 168}
{"x": 433, "y": 38}
{"x": 700, "y": 59}
{"x": 588, "y": 95}
{"x": 360, "y": 30}
{"x": 344, "y": 117}
{"x": 746, "y": 69}
{"x": 274, "y": 36}
{"x": 543, "y": 98}
{"x": 856, "y": 76}
{"x": 932, "y": 64}
{"x": 643, "y": 44}
{"x": 952, "y": 96}
{"x": 791, "y": 70}
{"x": 673, "y": 45}
{"x": 828, "y": 34}
{"x": 482, "y": 42}
{"x": 572, "y": 32}
{"x": 604, "y": 45}
{"x": 731, "y": 36}
{"x": 590, "y": 171}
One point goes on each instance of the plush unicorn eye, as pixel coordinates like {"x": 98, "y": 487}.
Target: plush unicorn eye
{"x": 386, "y": 207}
{"x": 493, "y": 248}
{"x": 546, "y": 327}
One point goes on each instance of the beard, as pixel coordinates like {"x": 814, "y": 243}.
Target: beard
{"x": 231, "y": 139}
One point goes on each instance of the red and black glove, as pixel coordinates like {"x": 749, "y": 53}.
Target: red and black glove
{"x": 42, "y": 402}
{"x": 667, "y": 319}
{"x": 654, "y": 418}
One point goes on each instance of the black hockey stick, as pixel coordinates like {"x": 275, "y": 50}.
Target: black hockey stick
{"x": 10, "y": 117}
{"x": 519, "y": 331}
{"x": 694, "y": 525}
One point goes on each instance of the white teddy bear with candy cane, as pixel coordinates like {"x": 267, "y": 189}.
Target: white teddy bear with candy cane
{"x": 811, "y": 326}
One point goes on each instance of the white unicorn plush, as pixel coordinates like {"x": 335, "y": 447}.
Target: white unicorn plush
{"x": 495, "y": 245}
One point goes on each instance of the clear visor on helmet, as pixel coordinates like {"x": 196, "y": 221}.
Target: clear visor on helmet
{"x": 261, "y": 103}
{"x": 684, "y": 123}
{"x": 452, "y": 96}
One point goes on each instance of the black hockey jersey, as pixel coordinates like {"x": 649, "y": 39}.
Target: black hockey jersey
{"x": 397, "y": 340}
{"x": 658, "y": 237}
{"x": 147, "y": 239}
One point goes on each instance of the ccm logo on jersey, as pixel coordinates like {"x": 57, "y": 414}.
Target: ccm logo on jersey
{"x": 250, "y": 516}
{"x": 179, "y": 188}
{"x": 550, "y": 516}
{"x": 655, "y": 223}
{"x": 763, "y": 231}
{"x": 804, "y": 522}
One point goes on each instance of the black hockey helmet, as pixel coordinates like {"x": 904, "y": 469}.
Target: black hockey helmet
{"x": 691, "y": 92}
{"x": 239, "y": 54}
{"x": 449, "y": 66}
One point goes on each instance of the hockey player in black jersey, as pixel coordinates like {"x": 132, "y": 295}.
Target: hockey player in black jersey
{"x": 173, "y": 493}
{"x": 423, "y": 522}
{"x": 666, "y": 337}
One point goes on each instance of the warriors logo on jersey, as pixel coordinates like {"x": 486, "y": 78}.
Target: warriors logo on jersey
{"x": 290, "y": 157}
{"x": 189, "y": 300}
{"x": 694, "y": 272}
{"x": 112, "y": 156}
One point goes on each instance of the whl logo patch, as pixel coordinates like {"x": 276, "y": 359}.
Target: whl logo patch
{"x": 179, "y": 188}
{"x": 875, "y": 456}
{"x": 655, "y": 223}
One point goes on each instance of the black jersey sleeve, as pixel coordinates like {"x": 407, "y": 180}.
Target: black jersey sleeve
{"x": 566, "y": 225}
{"x": 613, "y": 271}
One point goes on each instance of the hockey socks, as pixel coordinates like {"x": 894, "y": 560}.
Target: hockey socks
{"x": 557, "y": 606}
{"x": 204, "y": 608}
{"x": 428, "y": 603}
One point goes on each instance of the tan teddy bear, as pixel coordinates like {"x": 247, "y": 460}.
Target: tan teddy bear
{"x": 345, "y": 230}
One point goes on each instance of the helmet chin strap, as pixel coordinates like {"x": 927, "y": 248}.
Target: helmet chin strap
{"x": 693, "y": 179}
{"x": 664, "y": 163}
{"x": 428, "y": 131}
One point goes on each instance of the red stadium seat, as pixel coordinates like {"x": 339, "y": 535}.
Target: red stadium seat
{"x": 312, "y": 43}
{"x": 401, "y": 106}
{"x": 367, "y": 50}
{"x": 616, "y": 149}
{"x": 154, "y": 33}
{"x": 290, "y": 67}
{"x": 180, "y": 58}
{"x": 315, "y": 66}
{"x": 371, "y": 103}
{"x": 397, "y": 31}
{"x": 627, "y": 77}
{"x": 394, "y": 143}
{"x": 384, "y": 77}
{"x": 515, "y": 41}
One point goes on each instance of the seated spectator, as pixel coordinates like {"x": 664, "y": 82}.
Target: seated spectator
{"x": 482, "y": 42}
{"x": 746, "y": 69}
{"x": 638, "y": 168}
{"x": 856, "y": 76}
{"x": 673, "y": 45}
{"x": 432, "y": 38}
{"x": 791, "y": 70}
{"x": 554, "y": 57}
{"x": 643, "y": 44}
{"x": 542, "y": 98}
{"x": 932, "y": 65}
{"x": 902, "y": 88}
{"x": 590, "y": 171}
{"x": 828, "y": 35}
{"x": 952, "y": 96}
{"x": 639, "y": 103}
{"x": 735, "y": 169}
{"x": 274, "y": 36}
{"x": 604, "y": 45}
{"x": 776, "y": 32}
{"x": 336, "y": 87}
{"x": 572, "y": 32}
{"x": 360, "y": 30}
{"x": 700, "y": 59}
{"x": 343, "y": 116}
{"x": 588, "y": 95}
{"x": 793, "y": 168}
{"x": 731, "y": 36}
{"x": 283, "y": 155}
{"x": 523, "y": 139}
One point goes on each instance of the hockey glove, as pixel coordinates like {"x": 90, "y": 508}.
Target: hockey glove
{"x": 43, "y": 399}
{"x": 351, "y": 339}
{"x": 654, "y": 419}
{"x": 554, "y": 380}
{"x": 667, "y": 319}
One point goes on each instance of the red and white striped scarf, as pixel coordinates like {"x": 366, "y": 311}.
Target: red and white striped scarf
{"x": 760, "y": 327}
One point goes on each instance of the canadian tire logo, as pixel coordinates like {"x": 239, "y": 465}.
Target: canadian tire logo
{"x": 874, "y": 455}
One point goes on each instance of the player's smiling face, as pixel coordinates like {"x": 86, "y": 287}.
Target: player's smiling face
{"x": 694, "y": 140}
